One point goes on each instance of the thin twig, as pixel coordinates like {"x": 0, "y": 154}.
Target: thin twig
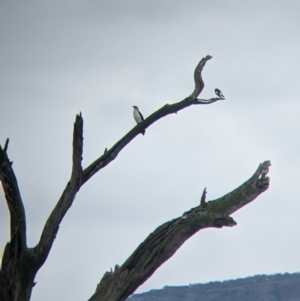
{"x": 203, "y": 197}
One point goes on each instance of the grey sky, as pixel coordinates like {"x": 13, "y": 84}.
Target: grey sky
{"x": 101, "y": 57}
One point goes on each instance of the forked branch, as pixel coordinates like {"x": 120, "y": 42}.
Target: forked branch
{"x": 51, "y": 227}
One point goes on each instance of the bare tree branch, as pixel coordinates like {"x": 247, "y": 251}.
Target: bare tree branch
{"x": 41, "y": 251}
{"x": 16, "y": 249}
{"x": 167, "y": 109}
{"x": 12, "y": 196}
{"x": 199, "y": 83}
{"x": 160, "y": 245}
{"x": 113, "y": 152}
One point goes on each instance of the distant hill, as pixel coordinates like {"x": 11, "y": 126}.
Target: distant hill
{"x": 280, "y": 287}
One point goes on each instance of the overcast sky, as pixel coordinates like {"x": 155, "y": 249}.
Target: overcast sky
{"x": 101, "y": 57}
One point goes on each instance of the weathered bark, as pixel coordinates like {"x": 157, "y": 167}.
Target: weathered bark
{"x": 14, "y": 261}
{"x": 160, "y": 245}
{"x": 20, "y": 263}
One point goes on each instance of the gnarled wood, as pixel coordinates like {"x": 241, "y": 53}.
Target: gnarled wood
{"x": 160, "y": 245}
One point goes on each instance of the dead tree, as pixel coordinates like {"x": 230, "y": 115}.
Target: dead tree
{"x": 20, "y": 263}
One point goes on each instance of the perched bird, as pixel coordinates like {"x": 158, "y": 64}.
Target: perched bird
{"x": 138, "y": 117}
{"x": 219, "y": 93}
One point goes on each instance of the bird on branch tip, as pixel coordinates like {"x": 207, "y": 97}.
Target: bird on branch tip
{"x": 138, "y": 117}
{"x": 219, "y": 93}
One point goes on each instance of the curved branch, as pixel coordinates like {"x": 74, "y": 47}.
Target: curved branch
{"x": 167, "y": 109}
{"x": 113, "y": 152}
{"x": 160, "y": 245}
{"x": 199, "y": 83}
